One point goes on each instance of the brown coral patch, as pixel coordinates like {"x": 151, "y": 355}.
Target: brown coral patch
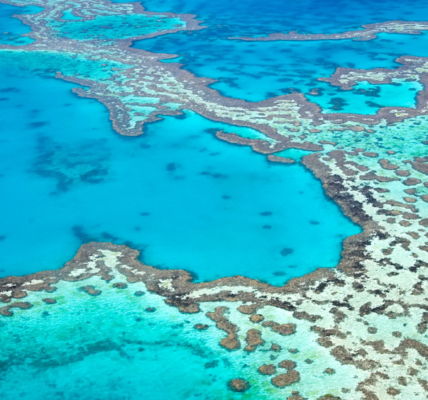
{"x": 238, "y": 385}
{"x": 412, "y": 181}
{"x": 267, "y": 369}
{"x": 231, "y": 341}
{"x": 120, "y": 285}
{"x": 89, "y": 289}
{"x": 23, "y": 305}
{"x": 201, "y": 327}
{"x": 253, "y": 339}
{"x": 257, "y": 318}
{"x": 282, "y": 329}
{"x": 385, "y": 164}
{"x": 283, "y": 380}
{"x": 287, "y": 364}
{"x": 283, "y": 160}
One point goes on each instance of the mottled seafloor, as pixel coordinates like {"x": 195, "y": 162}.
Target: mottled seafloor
{"x": 210, "y": 263}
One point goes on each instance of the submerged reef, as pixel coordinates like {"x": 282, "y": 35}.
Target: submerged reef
{"x": 366, "y": 321}
{"x": 343, "y": 333}
{"x": 138, "y": 88}
{"x": 368, "y": 32}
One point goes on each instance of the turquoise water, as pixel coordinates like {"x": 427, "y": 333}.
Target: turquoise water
{"x": 157, "y": 354}
{"x": 185, "y": 198}
{"x": 366, "y": 98}
{"x": 69, "y": 16}
{"x": 118, "y": 346}
{"x": 178, "y": 194}
{"x": 11, "y": 29}
{"x": 294, "y": 154}
{"x": 47, "y": 63}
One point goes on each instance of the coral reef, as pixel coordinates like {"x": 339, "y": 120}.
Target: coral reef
{"x": 367, "y": 319}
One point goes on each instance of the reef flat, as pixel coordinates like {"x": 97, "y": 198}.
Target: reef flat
{"x": 100, "y": 317}
{"x": 366, "y": 319}
{"x": 315, "y": 338}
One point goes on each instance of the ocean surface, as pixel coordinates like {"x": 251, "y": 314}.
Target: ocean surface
{"x": 183, "y": 197}
{"x": 180, "y": 195}
{"x": 255, "y": 71}
{"x": 13, "y": 28}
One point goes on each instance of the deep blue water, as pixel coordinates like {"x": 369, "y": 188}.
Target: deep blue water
{"x": 254, "y": 17}
{"x": 185, "y": 198}
{"x": 259, "y": 70}
{"x": 12, "y": 28}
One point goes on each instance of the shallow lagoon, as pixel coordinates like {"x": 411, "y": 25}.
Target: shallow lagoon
{"x": 119, "y": 346}
{"x": 185, "y": 198}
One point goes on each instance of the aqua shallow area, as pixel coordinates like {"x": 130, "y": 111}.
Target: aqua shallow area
{"x": 47, "y": 63}
{"x": 69, "y": 16}
{"x": 366, "y": 98}
{"x": 127, "y": 344}
{"x": 154, "y": 354}
{"x": 183, "y": 197}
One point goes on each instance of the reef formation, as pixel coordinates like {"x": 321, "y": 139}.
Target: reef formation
{"x": 369, "y": 316}
{"x": 368, "y": 32}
